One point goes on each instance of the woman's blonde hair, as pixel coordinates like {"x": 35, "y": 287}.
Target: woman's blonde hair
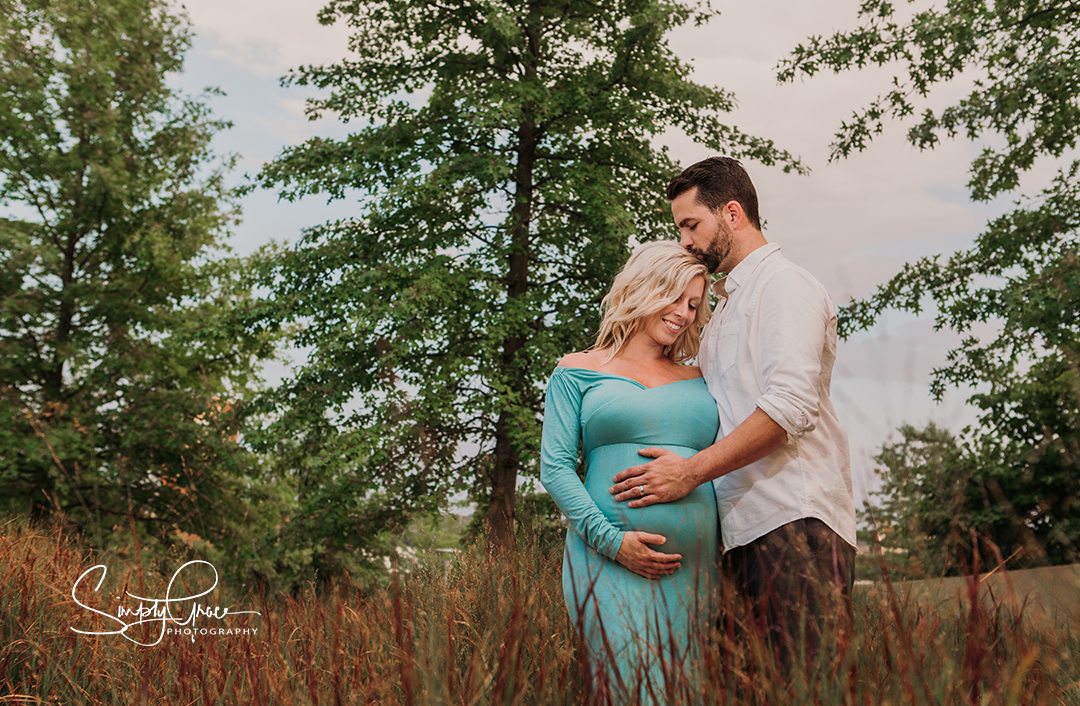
{"x": 655, "y": 276}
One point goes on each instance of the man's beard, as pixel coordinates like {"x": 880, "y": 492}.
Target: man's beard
{"x": 718, "y": 250}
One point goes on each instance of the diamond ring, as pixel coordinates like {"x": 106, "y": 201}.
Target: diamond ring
{"x": 641, "y": 490}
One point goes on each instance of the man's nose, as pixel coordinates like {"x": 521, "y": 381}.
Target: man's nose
{"x": 685, "y": 240}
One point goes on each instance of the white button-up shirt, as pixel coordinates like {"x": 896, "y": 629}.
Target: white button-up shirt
{"x": 771, "y": 344}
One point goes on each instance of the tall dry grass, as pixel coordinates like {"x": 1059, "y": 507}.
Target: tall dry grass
{"x": 485, "y": 629}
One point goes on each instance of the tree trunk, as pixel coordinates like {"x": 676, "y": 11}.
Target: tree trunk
{"x": 507, "y": 459}
{"x": 53, "y": 405}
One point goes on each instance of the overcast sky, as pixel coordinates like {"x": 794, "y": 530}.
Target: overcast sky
{"x": 852, "y": 223}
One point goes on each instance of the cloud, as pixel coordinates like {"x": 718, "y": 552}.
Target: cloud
{"x": 902, "y": 347}
{"x": 872, "y": 412}
{"x": 881, "y": 380}
{"x": 266, "y": 38}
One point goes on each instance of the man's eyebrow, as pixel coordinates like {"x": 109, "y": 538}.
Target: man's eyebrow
{"x": 684, "y": 221}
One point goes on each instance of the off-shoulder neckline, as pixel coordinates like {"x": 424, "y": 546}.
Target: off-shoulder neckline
{"x": 624, "y": 377}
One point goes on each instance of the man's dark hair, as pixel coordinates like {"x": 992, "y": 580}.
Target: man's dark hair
{"x": 718, "y": 181}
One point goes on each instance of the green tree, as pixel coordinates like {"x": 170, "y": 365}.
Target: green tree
{"x": 1023, "y": 272}
{"x": 944, "y": 498}
{"x": 921, "y": 507}
{"x": 928, "y": 506}
{"x": 120, "y": 373}
{"x": 503, "y": 163}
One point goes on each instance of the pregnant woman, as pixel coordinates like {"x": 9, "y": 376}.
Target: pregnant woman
{"x": 638, "y": 582}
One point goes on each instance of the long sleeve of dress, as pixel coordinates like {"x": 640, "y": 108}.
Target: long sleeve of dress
{"x": 558, "y": 466}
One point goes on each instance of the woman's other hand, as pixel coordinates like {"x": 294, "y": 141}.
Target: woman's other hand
{"x": 636, "y": 555}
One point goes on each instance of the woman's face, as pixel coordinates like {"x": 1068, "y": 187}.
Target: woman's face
{"x": 665, "y": 325}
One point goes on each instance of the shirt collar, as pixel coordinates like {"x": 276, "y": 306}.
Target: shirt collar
{"x": 726, "y": 286}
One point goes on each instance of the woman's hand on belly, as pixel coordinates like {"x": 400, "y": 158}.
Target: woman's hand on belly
{"x": 636, "y": 555}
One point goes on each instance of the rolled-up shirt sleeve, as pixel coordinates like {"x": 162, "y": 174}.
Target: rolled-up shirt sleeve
{"x": 558, "y": 467}
{"x": 794, "y": 316}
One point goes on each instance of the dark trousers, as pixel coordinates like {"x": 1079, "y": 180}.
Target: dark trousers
{"x": 795, "y": 583}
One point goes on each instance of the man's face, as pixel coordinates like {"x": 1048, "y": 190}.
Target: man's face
{"x": 701, "y": 231}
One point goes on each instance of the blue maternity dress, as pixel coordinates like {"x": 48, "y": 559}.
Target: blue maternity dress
{"x": 635, "y": 629}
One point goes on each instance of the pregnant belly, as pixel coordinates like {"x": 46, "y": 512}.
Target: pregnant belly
{"x": 689, "y": 524}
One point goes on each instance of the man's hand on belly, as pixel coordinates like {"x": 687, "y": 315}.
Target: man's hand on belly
{"x": 661, "y": 480}
{"x": 670, "y": 477}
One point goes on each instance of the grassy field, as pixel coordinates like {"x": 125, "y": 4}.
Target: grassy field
{"x": 480, "y": 629}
